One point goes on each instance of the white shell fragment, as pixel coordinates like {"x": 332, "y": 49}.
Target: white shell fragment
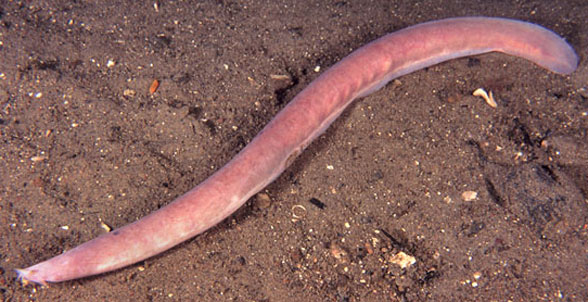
{"x": 402, "y": 259}
{"x": 488, "y": 98}
{"x": 469, "y": 195}
{"x": 105, "y": 226}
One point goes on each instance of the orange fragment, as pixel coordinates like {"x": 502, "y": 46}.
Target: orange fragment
{"x": 153, "y": 86}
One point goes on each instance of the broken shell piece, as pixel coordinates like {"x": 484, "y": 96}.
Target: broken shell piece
{"x": 402, "y": 259}
{"x": 38, "y": 158}
{"x": 488, "y": 98}
{"x": 129, "y": 92}
{"x": 279, "y": 77}
{"x": 469, "y": 195}
{"x": 105, "y": 226}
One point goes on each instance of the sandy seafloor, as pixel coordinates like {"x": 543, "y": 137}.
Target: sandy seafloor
{"x": 83, "y": 142}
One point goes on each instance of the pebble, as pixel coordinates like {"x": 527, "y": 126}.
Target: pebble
{"x": 469, "y": 195}
{"x": 338, "y": 252}
{"x": 262, "y": 200}
{"x": 129, "y": 92}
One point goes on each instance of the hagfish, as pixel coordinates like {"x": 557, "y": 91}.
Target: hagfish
{"x": 362, "y": 72}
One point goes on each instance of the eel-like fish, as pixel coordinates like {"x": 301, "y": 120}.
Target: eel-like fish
{"x": 362, "y": 72}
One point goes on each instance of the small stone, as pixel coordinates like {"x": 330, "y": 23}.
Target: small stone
{"x": 262, "y": 200}
{"x": 129, "y": 92}
{"x": 469, "y": 195}
{"x": 338, "y": 252}
{"x": 396, "y": 83}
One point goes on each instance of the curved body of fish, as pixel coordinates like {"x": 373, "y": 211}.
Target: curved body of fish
{"x": 302, "y": 120}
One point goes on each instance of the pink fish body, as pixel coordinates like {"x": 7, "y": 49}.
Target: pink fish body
{"x": 362, "y": 72}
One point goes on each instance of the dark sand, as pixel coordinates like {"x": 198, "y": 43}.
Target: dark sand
{"x": 77, "y": 150}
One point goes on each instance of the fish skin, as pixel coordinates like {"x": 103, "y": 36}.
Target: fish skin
{"x": 307, "y": 116}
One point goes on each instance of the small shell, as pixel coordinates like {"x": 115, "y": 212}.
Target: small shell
{"x": 488, "y": 98}
{"x": 105, "y": 226}
{"x": 298, "y": 212}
